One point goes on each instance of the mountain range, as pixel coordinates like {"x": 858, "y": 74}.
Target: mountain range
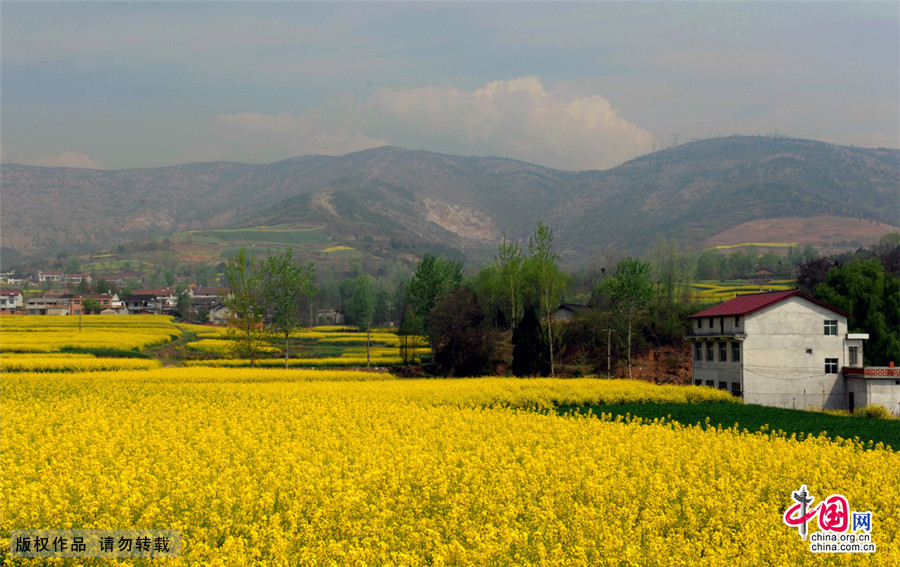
{"x": 701, "y": 192}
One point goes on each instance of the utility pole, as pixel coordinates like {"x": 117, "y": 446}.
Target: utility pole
{"x": 609, "y": 332}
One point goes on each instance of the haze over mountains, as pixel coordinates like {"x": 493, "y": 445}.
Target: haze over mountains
{"x": 697, "y": 192}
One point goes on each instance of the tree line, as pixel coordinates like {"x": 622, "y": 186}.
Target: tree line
{"x": 503, "y": 316}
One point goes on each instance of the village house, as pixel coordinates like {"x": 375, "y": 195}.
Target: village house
{"x": 787, "y": 349}
{"x": 11, "y": 278}
{"x": 48, "y": 305}
{"x": 109, "y": 304}
{"x": 10, "y": 301}
{"x": 142, "y": 304}
{"x": 567, "y": 311}
{"x": 75, "y": 279}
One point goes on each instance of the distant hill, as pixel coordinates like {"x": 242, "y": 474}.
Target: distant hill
{"x": 407, "y": 202}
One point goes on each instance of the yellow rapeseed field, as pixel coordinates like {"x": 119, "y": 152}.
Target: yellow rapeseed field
{"x": 293, "y": 467}
{"x": 56, "y": 362}
{"x": 51, "y": 333}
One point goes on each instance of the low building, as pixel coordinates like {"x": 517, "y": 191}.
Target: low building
{"x": 141, "y": 303}
{"x": 47, "y": 306}
{"x": 104, "y": 300}
{"x": 567, "y": 311}
{"x": 11, "y": 301}
{"x": 869, "y": 385}
{"x": 50, "y": 276}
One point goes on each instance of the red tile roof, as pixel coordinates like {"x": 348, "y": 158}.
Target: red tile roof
{"x": 746, "y": 304}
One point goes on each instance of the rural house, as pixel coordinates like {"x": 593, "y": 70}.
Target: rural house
{"x": 10, "y": 301}
{"x": 567, "y": 311}
{"x": 787, "y": 349}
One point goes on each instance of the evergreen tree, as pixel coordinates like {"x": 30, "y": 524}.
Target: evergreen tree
{"x": 530, "y": 347}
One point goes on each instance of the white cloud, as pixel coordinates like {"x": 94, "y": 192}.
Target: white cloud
{"x": 515, "y": 118}
{"x": 68, "y": 159}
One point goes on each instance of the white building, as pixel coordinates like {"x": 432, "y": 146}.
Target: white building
{"x": 781, "y": 349}
{"x": 11, "y": 300}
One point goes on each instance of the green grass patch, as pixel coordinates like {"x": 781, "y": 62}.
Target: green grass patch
{"x": 759, "y": 418}
{"x": 103, "y": 351}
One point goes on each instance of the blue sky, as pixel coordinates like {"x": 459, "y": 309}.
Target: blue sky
{"x": 574, "y": 86}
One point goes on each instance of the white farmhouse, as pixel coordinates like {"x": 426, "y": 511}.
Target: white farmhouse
{"x": 781, "y": 349}
{"x": 10, "y": 301}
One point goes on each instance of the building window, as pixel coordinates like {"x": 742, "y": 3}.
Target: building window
{"x": 737, "y": 321}
{"x": 709, "y": 352}
{"x": 831, "y": 327}
{"x": 709, "y": 383}
{"x": 698, "y": 351}
{"x": 854, "y": 355}
{"x": 831, "y": 366}
{"x": 723, "y": 385}
{"x": 736, "y": 389}
{"x": 698, "y": 382}
{"x": 735, "y": 352}
{"x": 699, "y": 323}
{"x": 710, "y": 322}
{"x": 723, "y": 352}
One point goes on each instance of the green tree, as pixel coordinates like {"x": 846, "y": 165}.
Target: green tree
{"x": 740, "y": 264}
{"x": 184, "y": 303}
{"x": 710, "y": 265}
{"x": 508, "y": 263}
{"x": 285, "y": 285}
{"x": 382, "y": 312}
{"x": 548, "y": 280}
{"x": 888, "y": 251}
{"x": 630, "y": 291}
{"x": 90, "y": 305}
{"x": 487, "y": 286}
{"x": 73, "y": 265}
{"x": 409, "y": 331}
{"x": 673, "y": 270}
{"x": 169, "y": 277}
{"x": 360, "y": 303}
{"x": 245, "y": 301}
{"x": 465, "y": 340}
{"x": 361, "y": 306}
{"x": 864, "y": 288}
{"x": 103, "y": 286}
{"x": 434, "y": 278}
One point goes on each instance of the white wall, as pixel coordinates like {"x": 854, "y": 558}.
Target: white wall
{"x": 879, "y": 391}
{"x": 784, "y": 356}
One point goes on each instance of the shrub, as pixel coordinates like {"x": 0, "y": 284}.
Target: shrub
{"x": 873, "y": 410}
